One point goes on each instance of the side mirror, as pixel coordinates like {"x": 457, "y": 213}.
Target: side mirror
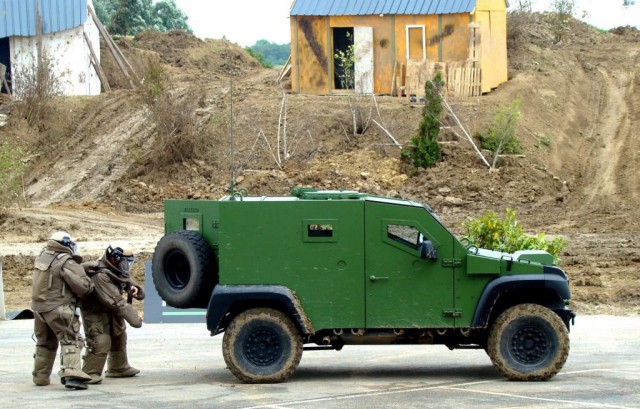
{"x": 428, "y": 250}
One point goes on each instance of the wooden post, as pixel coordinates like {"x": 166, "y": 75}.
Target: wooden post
{"x": 39, "y": 45}
{"x": 96, "y": 64}
{"x": 112, "y": 46}
{"x": 393, "y": 78}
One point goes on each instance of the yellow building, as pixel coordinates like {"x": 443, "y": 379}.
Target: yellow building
{"x": 388, "y": 35}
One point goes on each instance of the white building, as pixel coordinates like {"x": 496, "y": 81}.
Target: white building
{"x": 64, "y": 25}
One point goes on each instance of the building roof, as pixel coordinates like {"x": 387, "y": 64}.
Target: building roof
{"x": 376, "y": 7}
{"x": 18, "y": 17}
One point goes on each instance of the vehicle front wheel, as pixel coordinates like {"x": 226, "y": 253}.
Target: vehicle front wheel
{"x": 262, "y": 345}
{"x": 528, "y": 342}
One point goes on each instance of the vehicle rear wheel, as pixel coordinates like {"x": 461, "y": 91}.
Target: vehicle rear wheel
{"x": 262, "y": 345}
{"x": 184, "y": 270}
{"x": 528, "y": 342}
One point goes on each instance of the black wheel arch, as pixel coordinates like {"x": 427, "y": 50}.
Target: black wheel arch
{"x": 227, "y": 301}
{"x": 504, "y": 292}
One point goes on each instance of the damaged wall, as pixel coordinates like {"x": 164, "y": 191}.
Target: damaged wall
{"x": 70, "y": 55}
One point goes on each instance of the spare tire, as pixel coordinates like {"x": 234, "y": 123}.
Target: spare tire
{"x": 184, "y": 269}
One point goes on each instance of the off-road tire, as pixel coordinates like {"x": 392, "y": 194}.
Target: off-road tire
{"x": 262, "y": 345}
{"x": 528, "y": 342}
{"x": 184, "y": 270}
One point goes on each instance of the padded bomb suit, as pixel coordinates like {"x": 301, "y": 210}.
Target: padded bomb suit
{"x": 104, "y": 313}
{"x": 58, "y": 280}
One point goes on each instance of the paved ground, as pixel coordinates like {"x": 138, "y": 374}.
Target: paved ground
{"x": 183, "y": 367}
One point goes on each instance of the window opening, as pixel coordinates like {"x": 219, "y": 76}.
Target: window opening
{"x": 191, "y": 224}
{"x": 416, "y": 43}
{"x": 320, "y": 230}
{"x": 407, "y": 235}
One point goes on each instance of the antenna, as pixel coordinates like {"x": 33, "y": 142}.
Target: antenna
{"x": 231, "y": 122}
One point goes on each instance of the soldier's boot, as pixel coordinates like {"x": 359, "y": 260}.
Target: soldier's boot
{"x": 118, "y": 365}
{"x": 43, "y": 361}
{"x": 72, "y": 376}
{"x": 93, "y": 366}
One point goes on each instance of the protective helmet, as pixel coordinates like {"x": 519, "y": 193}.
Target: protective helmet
{"x": 65, "y": 239}
{"x": 119, "y": 256}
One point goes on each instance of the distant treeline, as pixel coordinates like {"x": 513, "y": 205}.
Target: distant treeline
{"x": 272, "y": 54}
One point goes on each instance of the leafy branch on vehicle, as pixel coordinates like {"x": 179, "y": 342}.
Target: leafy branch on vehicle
{"x": 505, "y": 234}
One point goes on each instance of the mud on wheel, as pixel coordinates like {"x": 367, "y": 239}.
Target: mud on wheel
{"x": 528, "y": 342}
{"x": 262, "y": 345}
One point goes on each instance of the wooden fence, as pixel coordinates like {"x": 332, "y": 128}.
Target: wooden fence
{"x": 461, "y": 79}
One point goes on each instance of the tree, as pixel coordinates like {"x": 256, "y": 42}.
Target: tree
{"x": 275, "y": 54}
{"x": 426, "y": 150}
{"x": 128, "y": 17}
{"x": 105, "y": 9}
{"x": 259, "y": 57}
{"x": 170, "y": 17}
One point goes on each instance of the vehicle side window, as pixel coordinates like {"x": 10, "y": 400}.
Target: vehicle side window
{"x": 407, "y": 235}
{"x": 320, "y": 230}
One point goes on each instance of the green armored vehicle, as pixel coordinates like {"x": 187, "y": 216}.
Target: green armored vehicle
{"x": 325, "y": 269}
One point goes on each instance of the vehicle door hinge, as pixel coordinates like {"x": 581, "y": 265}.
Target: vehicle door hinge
{"x": 456, "y": 313}
{"x": 451, "y": 262}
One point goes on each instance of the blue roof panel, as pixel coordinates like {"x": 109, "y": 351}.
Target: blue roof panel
{"x": 374, "y": 7}
{"x": 18, "y": 17}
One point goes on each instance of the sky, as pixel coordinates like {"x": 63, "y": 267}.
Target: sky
{"x": 241, "y": 21}
{"x": 247, "y": 21}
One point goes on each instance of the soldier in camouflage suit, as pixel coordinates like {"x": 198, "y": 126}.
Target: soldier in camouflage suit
{"x": 58, "y": 282}
{"x": 105, "y": 311}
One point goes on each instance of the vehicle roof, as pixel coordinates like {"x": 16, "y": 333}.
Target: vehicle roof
{"x": 325, "y": 195}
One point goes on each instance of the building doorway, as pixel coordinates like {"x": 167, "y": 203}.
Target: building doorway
{"x": 5, "y": 59}
{"x": 343, "y": 68}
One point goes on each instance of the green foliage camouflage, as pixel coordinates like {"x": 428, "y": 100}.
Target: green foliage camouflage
{"x": 507, "y": 235}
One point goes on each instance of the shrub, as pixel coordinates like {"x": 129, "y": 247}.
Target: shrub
{"x": 177, "y": 137}
{"x": 345, "y": 65}
{"x": 425, "y": 151}
{"x": 11, "y": 172}
{"x": 501, "y": 136}
{"x": 506, "y": 235}
{"x": 37, "y": 89}
{"x": 560, "y": 17}
{"x": 519, "y": 20}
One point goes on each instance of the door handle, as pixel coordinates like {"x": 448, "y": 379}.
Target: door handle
{"x": 374, "y": 278}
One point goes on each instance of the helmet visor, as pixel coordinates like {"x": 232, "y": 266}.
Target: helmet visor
{"x": 125, "y": 264}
